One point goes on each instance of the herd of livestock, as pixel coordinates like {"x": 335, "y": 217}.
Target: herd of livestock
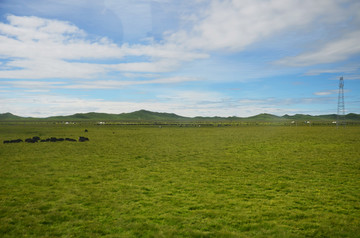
{"x": 36, "y": 139}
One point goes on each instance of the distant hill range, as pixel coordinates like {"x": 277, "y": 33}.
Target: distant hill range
{"x": 144, "y": 115}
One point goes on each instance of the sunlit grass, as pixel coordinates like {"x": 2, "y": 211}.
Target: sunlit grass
{"x": 132, "y": 181}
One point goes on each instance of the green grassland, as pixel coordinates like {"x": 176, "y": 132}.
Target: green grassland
{"x": 146, "y": 181}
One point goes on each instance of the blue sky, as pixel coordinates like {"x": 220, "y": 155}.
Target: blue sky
{"x": 192, "y": 58}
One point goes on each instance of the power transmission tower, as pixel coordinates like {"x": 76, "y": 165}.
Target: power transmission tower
{"x": 340, "y": 119}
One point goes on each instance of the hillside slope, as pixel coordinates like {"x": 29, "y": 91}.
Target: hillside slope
{"x": 9, "y": 117}
{"x": 144, "y": 115}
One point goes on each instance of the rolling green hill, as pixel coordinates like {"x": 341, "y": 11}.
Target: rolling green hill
{"x": 9, "y": 117}
{"x": 144, "y": 115}
{"x": 85, "y": 116}
{"x": 353, "y": 116}
{"x": 302, "y": 117}
{"x": 330, "y": 117}
{"x": 141, "y": 115}
{"x": 265, "y": 117}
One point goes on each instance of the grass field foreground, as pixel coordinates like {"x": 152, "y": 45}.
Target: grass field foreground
{"x": 134, "y": 181}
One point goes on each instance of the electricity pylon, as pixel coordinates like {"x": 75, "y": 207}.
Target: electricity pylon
{"x": 340, "y": 118}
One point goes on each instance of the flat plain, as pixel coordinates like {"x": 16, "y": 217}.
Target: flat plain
{"x": 146, "y": 181}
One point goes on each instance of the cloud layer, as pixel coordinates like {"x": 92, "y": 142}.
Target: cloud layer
{"x": 233, "y": 25}
{"x": 42, "y": 48}
{"x": 38, "y": 48}
{"x": 185, "y": 59}
{"x": 334, "y": 51}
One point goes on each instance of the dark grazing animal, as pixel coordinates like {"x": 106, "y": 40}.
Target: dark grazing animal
{"x": 30, "y": 140}
{"x": 83, "y": 139}
{"x": 54, "y": 139}
{"x": 12, "y": 141}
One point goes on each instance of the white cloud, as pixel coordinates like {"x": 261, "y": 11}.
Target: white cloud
{"x": 176, "y": 79}
{"x": 34, "y": 28}
{"x": 337, "y": 50}
{"x": 193, "y": 97}
{"x": 37, "y": 91}
{"x": 325, "y": 93}
{"x": 111, "y": 84}
{"x": 148, "y": 67}
{"x": 37, "y": 48}
{"x": 33, "y": 84}
{"x": 328, "y": 92}
{"x": 352, "y": 77}
{"x": 344, "y": 69}
{"x": 185, "y": 103}
{"x": 169, "y": 51}
{"x": 50, "y": 68}
{"x": 232, "y": 25}
{"x": 141, "y": 75}
{"x": 49, "y": 105}
{"x": 92, "y": 84}
{"x": 33, "y": 37}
